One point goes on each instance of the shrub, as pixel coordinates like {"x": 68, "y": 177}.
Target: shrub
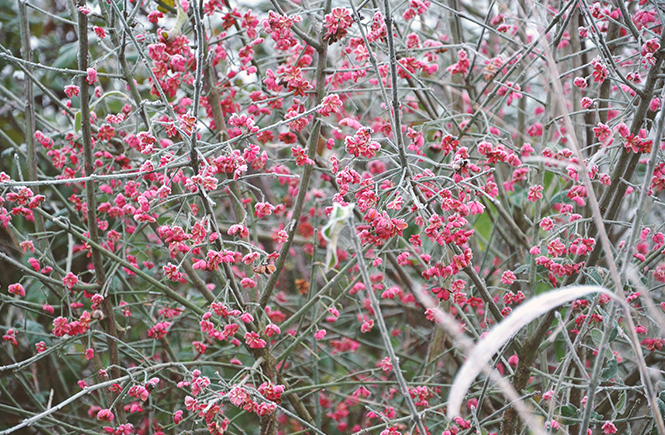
{"x": 296, "y": 217}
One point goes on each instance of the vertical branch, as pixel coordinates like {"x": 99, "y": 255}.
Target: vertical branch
{"x": 199, "y": 31}
{"x": 385, "y": 335}
{"x": 605, "y": 242}
{"x": 594, "y": 383}
{"x": 128, "y": 78}
{"x": 124, "y": 66}
{"x": 589, "y": 115}
{"x": 396, "y": 111}
{"x": 644, "y": 193}
{"x": 521, "y": 114}
{"x": 320, "y": 74}
{"x": 30, "y": 118}
{"x": 88, "y": 165}
{"x": 214, "y": 99}
{"x": 29, "y": 94}
{"x": 605, "y": 87}
{"x": 128, "y": 31}
{"x": 627, "y": 162}
{"x": 86, "y": 132}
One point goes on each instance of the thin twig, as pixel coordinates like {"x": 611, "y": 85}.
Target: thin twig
{"x": 385, "y": 335}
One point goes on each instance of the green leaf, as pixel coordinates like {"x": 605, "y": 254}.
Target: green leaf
{"x": 621, "y": 404}
{"x": 108, "y": 94}
{"x": 594, "y": 275}
{"x": 35, "y": 332}
{"x": 596, "y": 336}
{"x": 596, "y": 416}
{"x": 560, "y": 349}
{"x": 483, "y": 225}
{"x": 519, "y": 197}
{"x": 67, "y": 58}
{"x": 614, "y": 332}
{"x": 525, "y": 268}
{"x": 569, "y": 410}
{"x": 661, "y": 405}
{"x": 603, "y": 313}
{"x": 610, "y": 370}
{"x": 77, "y": 122}
{"x": 568, "y": 413}
{"x": 42, "y": 396}
{"x": 561, "y": 197}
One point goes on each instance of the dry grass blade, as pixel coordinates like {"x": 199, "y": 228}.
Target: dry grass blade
{"x": 481, "y": 354}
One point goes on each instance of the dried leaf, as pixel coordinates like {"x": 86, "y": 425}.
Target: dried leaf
{"x": 338, "y": 217}
{"x": 481, "y": 354}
